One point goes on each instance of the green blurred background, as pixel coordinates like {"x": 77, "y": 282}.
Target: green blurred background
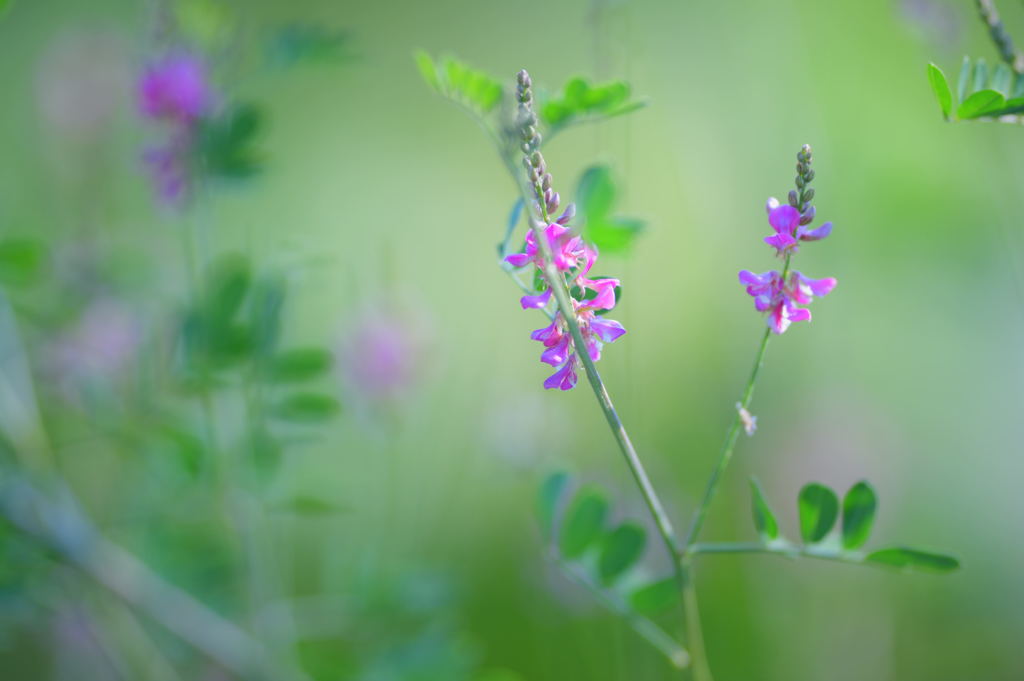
{"x": 378, "y": 191}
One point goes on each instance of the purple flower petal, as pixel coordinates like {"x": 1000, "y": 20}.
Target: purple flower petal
{"x": 557, "y": 354}
{"x": 784, "y": 219}
{"x": 816, "y": 234}
{"x": 607, "y": 330}
{"x": 564, "y": 378}
{"x": 781, "y": 242}
{"x": 536, "y": 301}
{"x": 518, "y": 259}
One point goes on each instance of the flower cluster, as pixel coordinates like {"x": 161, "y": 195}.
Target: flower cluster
{"x": 175, "y": 90}
{"x": 781, "y": 294}
{"x": 571, "y": 260}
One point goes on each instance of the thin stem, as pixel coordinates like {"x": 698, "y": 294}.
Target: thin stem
{"x": 694, "y": 632}
{"x": 645, "y": 628}
{"x": 636, "y": 467}
{"x": 725, "y": 455}
{"x": 779, "y": 548}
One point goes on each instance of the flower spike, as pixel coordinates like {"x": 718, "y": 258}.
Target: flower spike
{"x": 781, "y": 294}
{"x": 571, "y": 259}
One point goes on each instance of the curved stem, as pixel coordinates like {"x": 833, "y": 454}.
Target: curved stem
{"x": 725, "y": 455}
{"x": 636, "y": 467}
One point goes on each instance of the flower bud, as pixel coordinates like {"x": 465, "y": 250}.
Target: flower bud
{"x": 552, "y": 202}
{"x": 808, "y": 216}
{"x": 794, "y": 200}
{"x": 567, "y": 214}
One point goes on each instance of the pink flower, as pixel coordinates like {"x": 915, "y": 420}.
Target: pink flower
{"x": 176, "y": 87}
{"x": 567, "y": 251}
{"x": 572, "y": 257}
{"x": 791, "y": 227}
{"x": 780, "y": 299}
{"x": 176, "y": 90}
{"x": 595, "y": 329}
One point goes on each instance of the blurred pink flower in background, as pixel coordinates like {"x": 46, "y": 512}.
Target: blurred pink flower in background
{"x": 102, "y": 342}
{"x": 175, "y": 89}
{"x": 382, "y": 351}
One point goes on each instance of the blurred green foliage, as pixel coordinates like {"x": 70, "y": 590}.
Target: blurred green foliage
{"x": 909, "y": 375}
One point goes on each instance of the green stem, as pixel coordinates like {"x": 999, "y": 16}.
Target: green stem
{"x": 694, "y": 632}
{"x": 636, "y": 467}
{"x": 725, "y": 455}
{"x": 779, "y": 548}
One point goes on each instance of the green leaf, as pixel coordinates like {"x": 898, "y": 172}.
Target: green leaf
{"x": 227, "y": 283}
{"x": 267, "y": 300}
{"x": 583, "y": 522}
{"x": 299, "y": 364}
{"x": 980, "y": 103}
{"x": 614, "y": 235}
{"x": 21, "y": 261}
{"x": 902, "y": 557}
{"x": 818, "y": 507}
{"x": 859, "y": 507}
{"x": 1018, "y": 88}
{"x": 556, "y": 112}
{"x": 455, "y": 75}
{"x": 307, "y": 408}
{"x": 596, "y": 192}
{"x": 764, "y": 519}
{"x": 620, "y": 550}
{"x": 580, "y": 98}
{"x": 428, "y": 70}
{"x": 606, "y": 97}
{"x": 1001, "y": 78}
{"x": 1015, "y": 105}
{"x": 980, "y": 75}
{"x": 940, "y": 86}
{"x": 656, "y": 597}
{"x": 482, "y": 91}
{"x": 575, "y": 93}
{"x": 226, "y": 143}
{"x": 965, "y": 77}
{"x": 548, "y": 496}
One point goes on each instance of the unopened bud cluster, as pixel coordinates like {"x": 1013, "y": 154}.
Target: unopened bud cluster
{"x": 536, "y": 169}
{"x": 800, "y": 198}
{"x": 571, "y": 260}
